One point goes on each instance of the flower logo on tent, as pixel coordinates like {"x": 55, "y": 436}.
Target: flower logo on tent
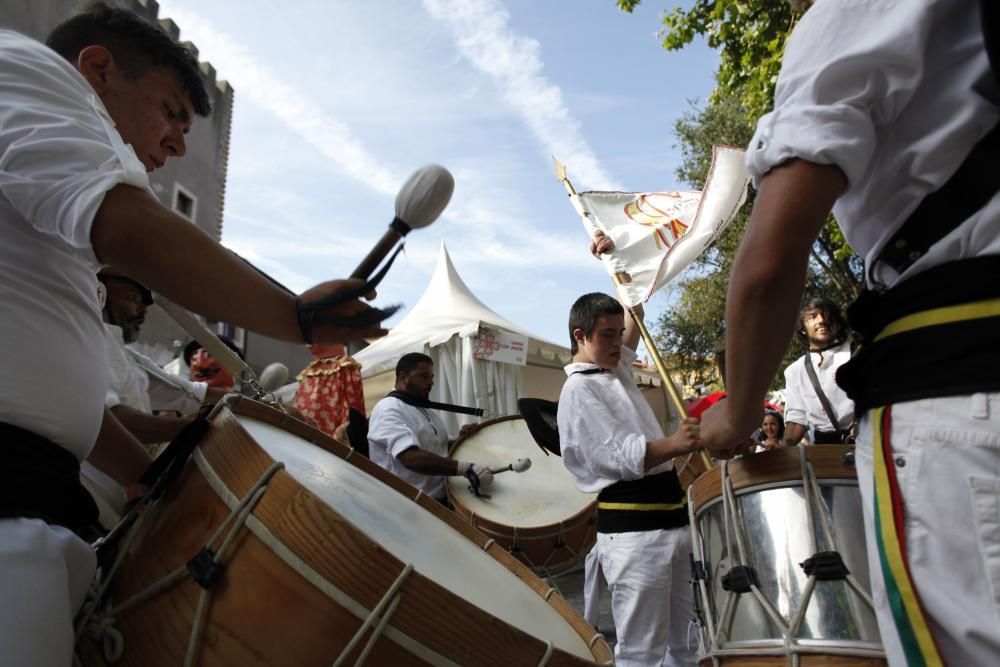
{"x": 486, "y": 345}
{"x": 663, "y": 212}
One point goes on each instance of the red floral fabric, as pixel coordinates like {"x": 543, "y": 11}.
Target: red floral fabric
{"x": 328, "y": 388}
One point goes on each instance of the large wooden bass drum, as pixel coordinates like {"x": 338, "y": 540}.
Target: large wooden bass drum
{"x": 323, "y": 559}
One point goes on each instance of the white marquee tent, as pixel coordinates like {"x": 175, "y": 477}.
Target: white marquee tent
{"x": 445, "y": 324}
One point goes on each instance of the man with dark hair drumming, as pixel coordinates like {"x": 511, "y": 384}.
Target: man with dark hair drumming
{"x": 888, "y": 113}
{"x": 411, "y": 441}
{"x": 613, "y": 445}
{"x": 814, "y": 402}
{"x": 82, "y": 122}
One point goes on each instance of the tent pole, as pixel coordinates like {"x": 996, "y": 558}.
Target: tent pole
{"x": 620, "y": 279}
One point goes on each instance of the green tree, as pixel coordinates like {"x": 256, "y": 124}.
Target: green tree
{"x": 693, "y": 328}
{"x": 750, "y": 36}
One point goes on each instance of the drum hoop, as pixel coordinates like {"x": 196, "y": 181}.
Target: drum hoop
{"x": 239, "y": 405}
{"x": 775, "y": 466}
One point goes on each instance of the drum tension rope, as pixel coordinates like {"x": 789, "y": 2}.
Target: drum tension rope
{"x": 739, "y": 579}
{"x": 825, "y": 566}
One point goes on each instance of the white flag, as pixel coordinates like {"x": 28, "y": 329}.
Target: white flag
{"x": 657, "y": 234}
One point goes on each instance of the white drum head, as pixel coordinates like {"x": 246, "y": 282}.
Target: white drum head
{"x": 543, "y": 495}
{"x": 414, "y": 535}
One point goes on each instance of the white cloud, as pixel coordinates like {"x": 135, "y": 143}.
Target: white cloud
{"x": 512, "y": 61}
{"x": 294, "y": 108}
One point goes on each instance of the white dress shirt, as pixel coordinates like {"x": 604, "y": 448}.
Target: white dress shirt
{"x": 895, "y": 94}
{"x": 59, "y": 155}
{"x": 395, "y": 427}
{"x": 802, "y": 404}
{"x": 604, "y": 424}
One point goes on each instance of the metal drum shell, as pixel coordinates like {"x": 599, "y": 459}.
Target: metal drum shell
{"x": 765, "y": 485}
{"x": 548, "y": 549}
{"x": 264, "y": 612}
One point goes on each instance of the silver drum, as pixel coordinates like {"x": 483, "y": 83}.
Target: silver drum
{"x": 755, "y": 521}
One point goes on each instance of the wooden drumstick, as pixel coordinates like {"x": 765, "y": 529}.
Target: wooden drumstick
{"x": 519, "y": 465}
{"x": 419, "y": 203}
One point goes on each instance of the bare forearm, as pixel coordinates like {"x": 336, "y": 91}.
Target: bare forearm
{"x": 768, "y": 279}
{"x": 149, "y": 429}
{"x": 138, "y": 236}
{"x": 427, "y": 463}
{"x": 117, "y": 453}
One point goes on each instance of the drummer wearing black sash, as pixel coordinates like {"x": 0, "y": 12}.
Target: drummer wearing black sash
{"x": 613, "y": 444}
{"x": 408, "y": 439}
{"x": 82, "y": 122}
{"x": 888, "y": 113}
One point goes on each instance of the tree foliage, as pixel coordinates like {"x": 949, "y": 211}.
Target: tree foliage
{"x": 750, "y": 36}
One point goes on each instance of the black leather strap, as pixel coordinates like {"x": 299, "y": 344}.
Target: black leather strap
{"x": 432, "y": 405}
{"x": 824, "y": 401}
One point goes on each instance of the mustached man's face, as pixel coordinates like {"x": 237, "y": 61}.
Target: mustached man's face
{"x": 204, "y": 368}
{"x": 418, "y": 382}
{"x": 819, "y": 329}
{"x": 125, "y": 307}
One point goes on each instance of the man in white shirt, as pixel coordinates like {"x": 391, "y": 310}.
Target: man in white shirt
{"x": 612, "y": 444}
{"x": 887, "y": 112}
{"x": 125, "y": 303}
{"x": 826, "y": 413}
{"x": 411, "y": 441}
{"x": 82, "y": 121}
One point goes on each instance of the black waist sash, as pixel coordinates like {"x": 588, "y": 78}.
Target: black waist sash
{"x": 41, "y": 480}
{"x": 655, "y": 502}
{"x": 933, "y": 335}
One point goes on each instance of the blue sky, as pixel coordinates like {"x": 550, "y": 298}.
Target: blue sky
{"x": 337, "y": 102}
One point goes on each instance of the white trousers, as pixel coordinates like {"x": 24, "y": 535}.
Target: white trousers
{"x": 44, "y": 575}
{"x": 946, "y": 455}
{"x": 593, "y": 583}
{"x": 648, "y": 575}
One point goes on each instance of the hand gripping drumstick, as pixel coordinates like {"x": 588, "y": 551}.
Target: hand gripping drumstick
{"x": 419, "y": 203}
{"x": 519, "y": 465}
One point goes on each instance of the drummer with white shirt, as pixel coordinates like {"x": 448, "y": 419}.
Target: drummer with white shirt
{"x": 82, "y": 121}
{"x": 887, "y": 112}
{"x": 613, "y": 444}
{"x": 411, "y": 441}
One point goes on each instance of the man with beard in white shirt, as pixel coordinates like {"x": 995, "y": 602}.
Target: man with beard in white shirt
{"x": 814, "y": 402}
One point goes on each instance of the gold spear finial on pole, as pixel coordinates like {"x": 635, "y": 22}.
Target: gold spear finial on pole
{"x": 620, "y": 279}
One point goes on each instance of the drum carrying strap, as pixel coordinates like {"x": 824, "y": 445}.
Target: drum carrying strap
{"x": 432, "y": 405}
{"x": 890, "y": 537}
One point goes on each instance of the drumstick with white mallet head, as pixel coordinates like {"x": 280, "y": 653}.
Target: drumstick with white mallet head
{"x": 519, "y": 465}
{"x": 419, "y": 203}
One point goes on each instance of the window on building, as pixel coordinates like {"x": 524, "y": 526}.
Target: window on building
{"x": 185, "y": 203}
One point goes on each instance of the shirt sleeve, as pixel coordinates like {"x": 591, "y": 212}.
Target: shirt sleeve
{"x": 845, "y": 71}
{"x": 59, "y": 151}
{"x": 795, "y": 407}
{"x": 391, "y": 428}
{"x": 593, "y": 440}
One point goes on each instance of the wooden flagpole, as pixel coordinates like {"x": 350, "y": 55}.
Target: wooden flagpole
{"x": 620, "y": 279}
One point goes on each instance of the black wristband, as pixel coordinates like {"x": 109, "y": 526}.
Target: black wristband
{"x": 305, "y": 318}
